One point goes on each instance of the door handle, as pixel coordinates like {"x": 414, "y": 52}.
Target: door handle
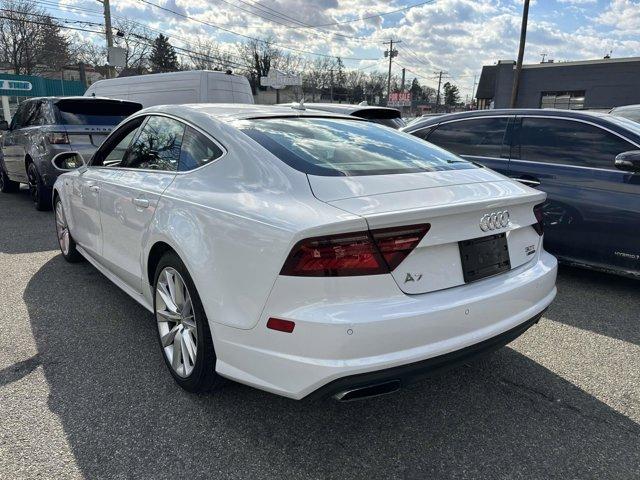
{"x": 94, "y": 188}
{"x": 140, "y": 202}
{"x": 531, "y": 182}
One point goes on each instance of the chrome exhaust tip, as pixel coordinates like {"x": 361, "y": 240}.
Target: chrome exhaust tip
{"x": 369, "y": 391}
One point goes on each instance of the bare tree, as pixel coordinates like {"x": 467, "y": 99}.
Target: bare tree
{"x": 87, "y": 52}
{"x": 137, "y": 41}
{"x": 29, "y": 39}
{"x": 205, "y": 54}
{"x": 259, "y": 57}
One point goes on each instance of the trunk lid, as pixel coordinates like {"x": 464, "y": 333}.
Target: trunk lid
{"x": 453, "y": 203}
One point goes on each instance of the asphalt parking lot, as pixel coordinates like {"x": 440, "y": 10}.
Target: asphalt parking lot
{"x": 84, "y": 392}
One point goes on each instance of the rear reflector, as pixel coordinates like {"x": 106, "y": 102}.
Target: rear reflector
{"x": 286, "y": 326}
{"x": 359, "y": 253}
{"x": 538, "y": 212}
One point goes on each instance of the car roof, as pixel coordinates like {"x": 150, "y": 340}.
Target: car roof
{"x": 346, "y": 108}
{"x": 550, "y": 112}
{"x": 238, "y": 111}
{"x": 604, "y": 119}
{"x": 79, "y": 98}
{"x": 622, "y": 108}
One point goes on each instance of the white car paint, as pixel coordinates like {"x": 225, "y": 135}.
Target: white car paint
{"x": 234, "y": 222}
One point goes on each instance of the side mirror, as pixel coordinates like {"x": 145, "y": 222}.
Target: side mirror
{"x": 628, "y": 161}
{"x": 4, "y": 126}
{"x": 68, "y": 161}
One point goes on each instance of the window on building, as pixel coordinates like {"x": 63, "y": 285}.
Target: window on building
{"x": 567, "y": 100}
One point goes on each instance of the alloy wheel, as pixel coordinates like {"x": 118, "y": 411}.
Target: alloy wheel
{"x": 176, "y": 322}
{"x": 62, "y": 228}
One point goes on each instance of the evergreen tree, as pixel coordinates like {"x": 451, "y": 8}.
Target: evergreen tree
{"x": 163, "y": 56}
{"x": 451, "y": 94}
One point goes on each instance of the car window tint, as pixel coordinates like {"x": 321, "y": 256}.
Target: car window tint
{"x": 197, "y": 150}
{"x": 157, "y": 147}
{"x": 481, "y": 137}
{"x": 552, "y": 140}
{"x": 114, "y": 157}
{"x": 341, "y": 147}
{"x": 16, "y": 120}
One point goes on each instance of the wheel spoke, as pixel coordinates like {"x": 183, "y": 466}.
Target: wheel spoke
{"x": 171, "y": 286}
{"x": 168, "y": 339}
{"x": 186, "y": 356}
{"x": 177, "y": 352}
{"x": 166, "y": 297}
{"x": 167, "y": 316}
{"x": 190, "y": 346}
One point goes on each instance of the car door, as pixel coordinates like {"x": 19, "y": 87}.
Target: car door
{"x": 85, "y": 193}
{"x": 13, "y": 151}
{"x": 592, "y": 211}
{"x": 484, "y": 140}
{"x": 129, "y": 197}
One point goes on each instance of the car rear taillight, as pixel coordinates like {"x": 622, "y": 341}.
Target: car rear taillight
{"x": 396, "y": 243}
{"x": 57, "y": 138}
{"x": 359, "y": 253}
{"x": 539, "y": 225}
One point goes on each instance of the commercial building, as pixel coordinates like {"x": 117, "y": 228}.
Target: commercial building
{"x": 16, "y": 88}
{"x": 592, "y": 84}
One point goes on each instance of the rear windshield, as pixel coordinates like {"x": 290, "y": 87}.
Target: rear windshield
{"x": 331, "y": 147}
{"x": 94, "y": 112}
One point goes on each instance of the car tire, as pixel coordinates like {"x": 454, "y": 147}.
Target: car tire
{"x": 7, "y": 185}
{"x": 40, "y": 194}
{"x": 65, "y": 241}
{"x": 183, "y": 328}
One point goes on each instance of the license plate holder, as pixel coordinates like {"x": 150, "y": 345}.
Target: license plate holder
{"x": 484, "y": 257}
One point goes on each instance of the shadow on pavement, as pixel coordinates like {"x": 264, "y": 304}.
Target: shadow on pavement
{"x": 599, "y": 302}
{"x": 22, "y": 228}
{"x": 503, "y": 417}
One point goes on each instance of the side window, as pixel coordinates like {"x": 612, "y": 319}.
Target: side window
{"x": 569, "y": 142}
{"x": 481, "y": 136}
{"x": 424, "y": 133}
{"x": 18, "y": 118}
{"x": 157, "y": 147}
{"x": 31, "y": 114}
{"x": 197, "y": 150}
{"x": 112, "y": 152}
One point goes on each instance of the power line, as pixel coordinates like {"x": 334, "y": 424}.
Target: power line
{"x": 246, "y": 36}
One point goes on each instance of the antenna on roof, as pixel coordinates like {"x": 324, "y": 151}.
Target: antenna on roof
{"x": 298, "y": 105}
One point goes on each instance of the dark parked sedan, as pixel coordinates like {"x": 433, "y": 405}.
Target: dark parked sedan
{"x": 588, "y": 163}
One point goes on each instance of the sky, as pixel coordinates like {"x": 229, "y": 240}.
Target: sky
{"x": 456, "y": 36}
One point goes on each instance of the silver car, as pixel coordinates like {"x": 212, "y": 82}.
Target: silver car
{"x": 42, "y": 128}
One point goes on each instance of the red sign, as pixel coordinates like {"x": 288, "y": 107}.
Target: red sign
{"x": 400, "y": 99}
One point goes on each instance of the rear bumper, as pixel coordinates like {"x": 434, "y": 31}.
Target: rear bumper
{"x": 342, "y": 332}
{"x": 414, "y": 372}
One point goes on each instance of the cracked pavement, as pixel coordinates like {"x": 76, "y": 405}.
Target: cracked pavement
{"x": 84, "y": 392}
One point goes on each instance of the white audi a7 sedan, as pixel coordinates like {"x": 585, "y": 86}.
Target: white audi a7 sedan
{"x": 305, "y": 253}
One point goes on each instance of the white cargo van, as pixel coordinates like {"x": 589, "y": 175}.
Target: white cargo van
{"x": 196, "y": 86}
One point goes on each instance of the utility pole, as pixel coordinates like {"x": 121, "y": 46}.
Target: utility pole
{"x": 438, "y": 95}
{"x": 390, "y": 53}
{"x": 403, "y": 73}
{"x": 523, "y": 37}
{"x": 107, "y": 27}
{"x": 331, "y": 72}
{"x": 473, "y": 92}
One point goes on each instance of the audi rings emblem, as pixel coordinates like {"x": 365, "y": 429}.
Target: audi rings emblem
{"x": 494, "y": 220}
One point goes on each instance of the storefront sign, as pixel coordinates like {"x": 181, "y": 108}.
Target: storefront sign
{"x": 15, "y": 85}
